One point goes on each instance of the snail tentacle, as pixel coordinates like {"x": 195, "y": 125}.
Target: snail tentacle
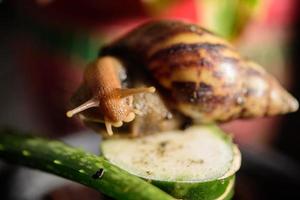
{"x": 129, "y": 117}
{"x": 86, "y": 105}
{"x": 108, "y": 127}
{"x": 132, "y": 91}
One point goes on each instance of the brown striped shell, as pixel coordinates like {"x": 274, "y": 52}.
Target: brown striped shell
{"x": 204, "y": 75}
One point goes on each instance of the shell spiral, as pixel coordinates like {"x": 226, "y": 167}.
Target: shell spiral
{"x": 206, "y": 77}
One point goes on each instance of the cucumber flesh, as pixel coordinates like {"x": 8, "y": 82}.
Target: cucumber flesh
{"x": 191, "y": 155}
{"x": 197, "y": 163}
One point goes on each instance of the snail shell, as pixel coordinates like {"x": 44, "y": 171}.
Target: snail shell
{"x": 205, "y": 76}
{"x": 200, "y": 75}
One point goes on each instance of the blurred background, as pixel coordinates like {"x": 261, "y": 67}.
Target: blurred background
{"x": 45, "y": 45}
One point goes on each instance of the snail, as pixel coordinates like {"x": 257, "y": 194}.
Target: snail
{"x": 200, "y": 75}
{"x": 102, "y": 78}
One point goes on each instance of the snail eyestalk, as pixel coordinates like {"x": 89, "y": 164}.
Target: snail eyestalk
{"x": 86, "y": 105}
{"x": 132, "y": 91}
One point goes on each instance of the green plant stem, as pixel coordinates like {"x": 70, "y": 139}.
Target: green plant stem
{"x": 75, "y": 164}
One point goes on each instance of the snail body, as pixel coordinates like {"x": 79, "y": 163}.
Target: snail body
{"x": 203, "y": 75}
{"x": 102, "y": 79}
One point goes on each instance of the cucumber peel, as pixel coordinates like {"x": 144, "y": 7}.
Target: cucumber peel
{"x": 75, "y": 164}
{"x": 197, "y": 163}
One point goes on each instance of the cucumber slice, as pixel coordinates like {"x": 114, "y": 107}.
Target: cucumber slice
{"x": 197, "y": 163}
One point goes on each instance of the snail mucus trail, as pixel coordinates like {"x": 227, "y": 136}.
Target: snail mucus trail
{"x": 202, "y": 76}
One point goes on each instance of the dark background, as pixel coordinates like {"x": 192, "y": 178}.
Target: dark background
{"x": 266, "y": 173}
